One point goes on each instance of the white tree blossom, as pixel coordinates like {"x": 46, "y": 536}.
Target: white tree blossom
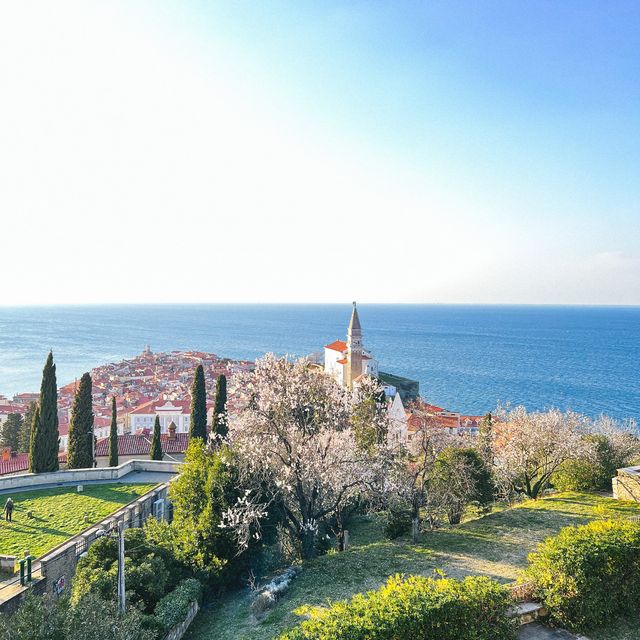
{"x": 294, "y": 435}
{"x": 529, "y": 447}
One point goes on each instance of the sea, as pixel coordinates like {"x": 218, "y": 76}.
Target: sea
{"x": 467, "y": 358}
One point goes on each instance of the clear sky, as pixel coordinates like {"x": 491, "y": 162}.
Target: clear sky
{"x": 320, "y": 151}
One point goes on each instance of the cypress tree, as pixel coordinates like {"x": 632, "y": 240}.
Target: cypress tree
{"x": 155, "y": 451}
{"x": 113, "y": 435}
{"x": 24, "y": 443}
{"x": 80, "y": 450}
{"x": 198, "y": 419}
{"x": 36, "y": 427}
{"x": 10, "y": 431}
{"x": 220, "y": 407}
{"x": 45, "y": 438}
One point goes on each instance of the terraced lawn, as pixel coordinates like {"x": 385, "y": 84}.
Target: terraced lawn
{"x": 59, "y": 514}
{"x": 495, "y": 545}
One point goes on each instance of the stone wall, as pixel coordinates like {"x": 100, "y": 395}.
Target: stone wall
{"x": 626, "y": 485}
{"x": 176, "y": 633}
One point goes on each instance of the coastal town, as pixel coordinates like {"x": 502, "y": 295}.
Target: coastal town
{"x": 158, "y": 384}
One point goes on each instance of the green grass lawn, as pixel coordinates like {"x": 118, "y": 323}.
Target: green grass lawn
{"x": 496, "y": 546}
{"x": 60, "y": 513}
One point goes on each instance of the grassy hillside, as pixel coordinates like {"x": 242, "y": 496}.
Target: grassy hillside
{"x": 496, "y": 546}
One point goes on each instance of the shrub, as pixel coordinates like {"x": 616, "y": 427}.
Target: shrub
{"x": 173, "y": 608}
{"x": 416, "y": 607}
{"x": 150, "y": 570}
{"x": 46, "y": 618}
{"x": 586, "y": 575}
{"x": 398, "y": 524}
{"x": 461, "y": 477}
{"x": 593, "y": 472}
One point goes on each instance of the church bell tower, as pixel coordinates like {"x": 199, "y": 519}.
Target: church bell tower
{"x": 354, "y": 349}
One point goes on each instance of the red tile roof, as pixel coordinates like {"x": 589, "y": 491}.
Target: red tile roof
{"x": 134, "y": 445}
{"x": 20, "y": 462}
{"x": 13, "y": 408}
{"x": 338, "y": 345}
{"x": 13, "y": 465}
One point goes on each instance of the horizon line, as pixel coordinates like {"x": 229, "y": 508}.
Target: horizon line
{"x": 301, "y": 304}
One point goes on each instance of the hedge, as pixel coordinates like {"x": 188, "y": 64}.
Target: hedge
{"x": 587, "y": 575}
{"x": 416, "y": 607}
{"x": 173, "y": 608}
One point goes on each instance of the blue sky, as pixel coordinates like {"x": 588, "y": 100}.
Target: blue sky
{"x": 489, "y": 149}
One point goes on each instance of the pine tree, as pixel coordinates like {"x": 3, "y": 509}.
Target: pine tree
{"x": 220, "y": 408}
{"x": 198, "y": 419}
{"x": 80, "y": 449}
{"x": 24, "y": 441}
{"x": 155, "y": 451}
{"x": 113, "y": 435}
{"x": 45, "y": 438}
{"x": 10, "y": 431}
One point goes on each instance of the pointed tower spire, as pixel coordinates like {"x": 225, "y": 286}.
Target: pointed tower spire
{"x": 354, "y": 324}
{"x": 354, "y": 348}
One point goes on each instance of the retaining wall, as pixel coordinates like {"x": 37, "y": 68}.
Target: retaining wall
{"x": 626, "y": 485}
{"x": 176, "y": 633}
{"x": 34, "y": 480}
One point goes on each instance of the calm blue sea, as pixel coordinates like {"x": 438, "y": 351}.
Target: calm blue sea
{"x": 466, "y": 358}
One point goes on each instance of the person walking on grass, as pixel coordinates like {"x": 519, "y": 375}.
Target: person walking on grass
{"x": 8, "y": 510}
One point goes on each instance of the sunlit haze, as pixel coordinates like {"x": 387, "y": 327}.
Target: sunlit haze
{"x": 329, "y": 151}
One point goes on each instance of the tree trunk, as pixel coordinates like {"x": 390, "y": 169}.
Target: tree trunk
{"x": 415, "y": 530}
{"x": 308, "y": 544}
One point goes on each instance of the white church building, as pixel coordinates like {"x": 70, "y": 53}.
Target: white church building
{"x": 348, "y": 361}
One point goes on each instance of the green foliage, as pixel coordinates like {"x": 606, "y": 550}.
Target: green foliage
{"x": 80, "y": 450}
{"x": 113, "y": 435}
{"x": 463, "y": 478}
{"x": 398, "y": 524}
{"x": 37, "y": 618}
{"x": 220, "y": 408}
{"x": 155, "y": 450}
{"x": 45, "y": 618}
{"x": 198, "y": 419}
{"x": 173, "y": 608}
{"x": 595, "y": 472}
{"x": 151, "y": 570}
{"x": 10, "y": 431}
{"x": 205, "y": 488}
{"x": 24, "y": 443}
{"x": 587, "y": 575}
{"x": 44, "y": 444}
{"x": 415, "y": 607}
{"x": 369, "y": 427}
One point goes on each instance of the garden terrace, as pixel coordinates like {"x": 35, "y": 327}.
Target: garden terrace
{"x": 496, "y": 545}
{"x": 60, "y": 513}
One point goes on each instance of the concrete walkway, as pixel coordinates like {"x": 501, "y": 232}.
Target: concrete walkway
{"x": 536, "y": 631}
{"x": 135, "y": 477}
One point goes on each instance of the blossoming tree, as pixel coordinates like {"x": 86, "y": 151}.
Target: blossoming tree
{"x": 299, "y": 452}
